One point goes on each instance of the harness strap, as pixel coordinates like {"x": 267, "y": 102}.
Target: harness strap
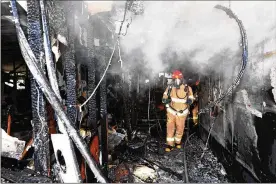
{"x": 175, "y": 112}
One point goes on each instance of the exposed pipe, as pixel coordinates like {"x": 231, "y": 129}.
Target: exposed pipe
{"x": 9, "y": 124}
{"x": 50, "y": 62}
{"x": 29, "y": 144}
{"x": 48, "y": 53}
{"x": 53, "y": 78}
{"x": 51, "y": 96}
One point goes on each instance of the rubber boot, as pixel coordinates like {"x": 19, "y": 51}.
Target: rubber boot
{"x": 168, "y": 148}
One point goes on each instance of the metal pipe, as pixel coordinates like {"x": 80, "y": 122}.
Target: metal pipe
{"x": 48, "y": 53}
{"x": 49, "y": 61}
{"x": 53, "y": 81}
{"x": 51, "y": 96}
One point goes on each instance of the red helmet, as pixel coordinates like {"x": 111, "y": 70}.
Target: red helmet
{"x": 177, "y": 75}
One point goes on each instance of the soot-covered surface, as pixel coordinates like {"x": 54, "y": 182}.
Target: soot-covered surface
{"x": 169, "y": 167}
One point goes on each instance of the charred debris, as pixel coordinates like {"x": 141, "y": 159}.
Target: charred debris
{"x": 74, "y": 110}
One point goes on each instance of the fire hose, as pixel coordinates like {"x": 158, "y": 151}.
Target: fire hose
{"x": 52, "y": 97}
{"x": 230, "y": 13}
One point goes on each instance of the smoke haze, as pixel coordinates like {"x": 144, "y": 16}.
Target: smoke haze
{"x": 197, "y": 34}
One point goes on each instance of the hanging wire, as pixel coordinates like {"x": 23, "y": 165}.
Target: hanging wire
{"x": 119, "y": 51}
{"x": 110, "y": 59}
{"x": 185, "y": 173}
{"x": 206, "y": 144}
{"x": 244, "y": 60}
{"x": 120, "y": 60}
{"x": 127, "y": 26}
{"x": 123, "y": 19}
{"x": 38, "y": 112}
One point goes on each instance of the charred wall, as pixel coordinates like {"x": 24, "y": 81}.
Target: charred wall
{"x": 244, "y": 132}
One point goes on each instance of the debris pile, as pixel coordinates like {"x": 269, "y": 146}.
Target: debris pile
{"x": 156, "y": 166}
{"x": 207, "y": 169}
{"x": 12, "y": 147}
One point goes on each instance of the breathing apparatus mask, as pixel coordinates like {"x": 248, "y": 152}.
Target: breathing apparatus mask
{"x": 178, "y": 79}
{"x": 177, "y": 83}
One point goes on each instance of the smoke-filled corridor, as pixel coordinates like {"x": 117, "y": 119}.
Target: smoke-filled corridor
{"x": 138, "y": 91}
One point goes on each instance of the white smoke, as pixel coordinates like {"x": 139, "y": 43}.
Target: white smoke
{"x": 197, "y": 27}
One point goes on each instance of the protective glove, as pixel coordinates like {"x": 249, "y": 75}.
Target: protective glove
{"x": 166, "y": 101}
{"x": 189, "y": 101}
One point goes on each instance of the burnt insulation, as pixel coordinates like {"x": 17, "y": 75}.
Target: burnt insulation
{"x": 92, "y": 117}
{"x": 40, "y": 127}
{"x": 69, "y": 65}
{"x": 103, "y": 111}
{"x": 57, "y": 18}
{"x": 51, "y": 97}
{"x": 103, "y": 92}
{"x": 245, "y": 136}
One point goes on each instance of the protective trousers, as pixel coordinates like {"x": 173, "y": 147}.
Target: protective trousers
{"x": 175, "y": 128}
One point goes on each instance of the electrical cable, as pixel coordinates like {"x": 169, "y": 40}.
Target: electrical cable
{"x": 239, "y": 76}
{"x": 101, "y": 78}
{"x": 184, "y": 153}
{"x": 230, "y": 13}
{"x": 109, "y": 59}
{"x": 119, "y": 51}
{"x": 127, "y": 27}
{"x": 38, "y": 112}
{"x": 123, "y": 19}
{"x": 206, "y": 144}
{"x": 185, "y": 173}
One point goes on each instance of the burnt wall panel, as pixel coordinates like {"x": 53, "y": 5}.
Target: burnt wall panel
{"x": 246, "y": 124}
{"x": 40, "y": 127}
{"x": 247, "y": 129}
{"x": 92, "y": 118}
{"x": 70, "y": 64}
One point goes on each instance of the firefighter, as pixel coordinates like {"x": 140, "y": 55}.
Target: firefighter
{"x": 195, "y": 104}
{"x": 177, "y": 98}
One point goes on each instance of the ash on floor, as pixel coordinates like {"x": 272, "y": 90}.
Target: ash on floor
{"x": 4, "y": 180}
{"x": 154, "y": 166}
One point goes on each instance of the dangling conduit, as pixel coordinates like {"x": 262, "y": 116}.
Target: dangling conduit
{"x": 230, "y": 89}
{"x": 52, "y": 97}
{"x": 244, "y": 59}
